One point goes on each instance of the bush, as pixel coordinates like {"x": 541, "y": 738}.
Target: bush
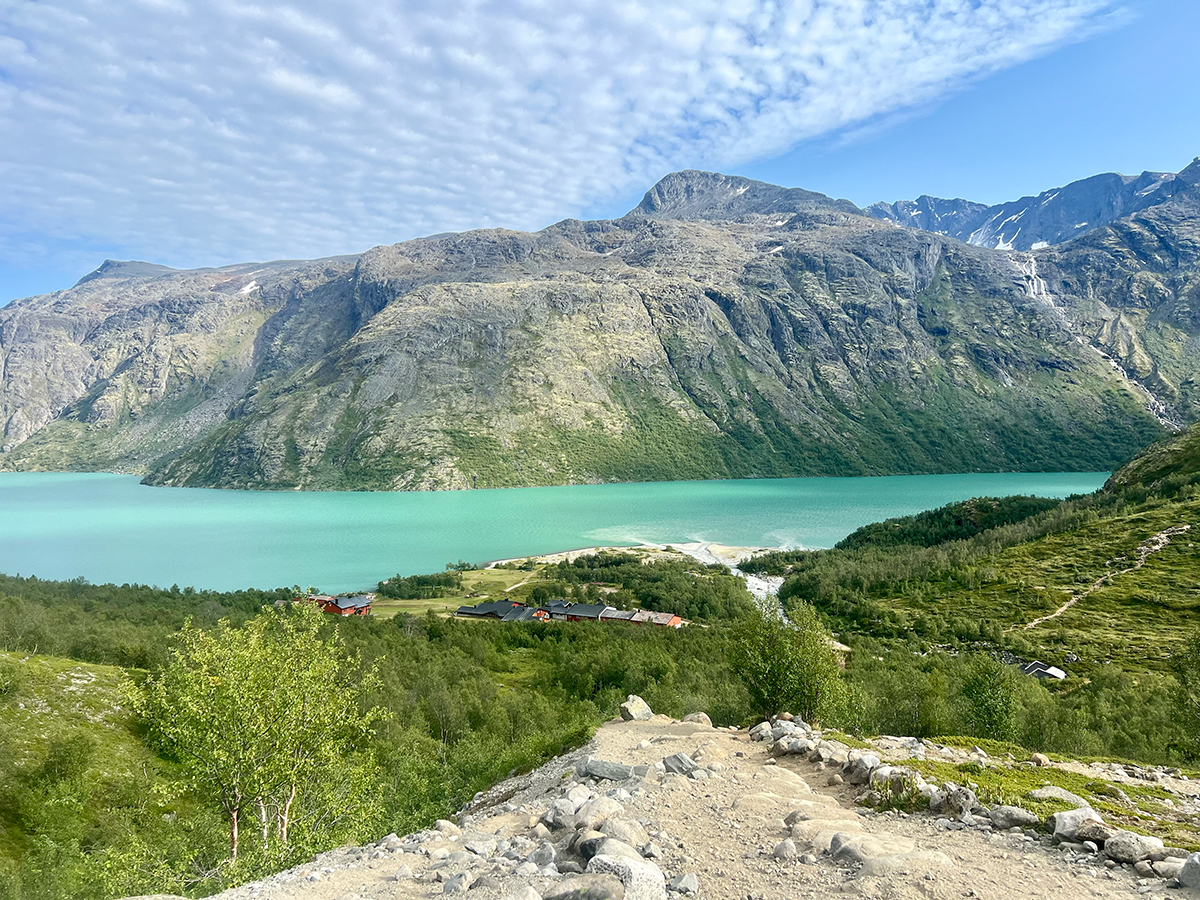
{"x": 788, "y": 665}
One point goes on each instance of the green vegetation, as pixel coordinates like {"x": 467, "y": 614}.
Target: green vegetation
{"x": 405, "y": 717}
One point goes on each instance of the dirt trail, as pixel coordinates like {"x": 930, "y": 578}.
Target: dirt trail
{"x": 1145, "y": 549}
{"x": 723, "y": 829}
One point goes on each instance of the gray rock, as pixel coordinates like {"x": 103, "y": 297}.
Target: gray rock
{"x": 446, "y": 827}
{"x": 680, "y": 764}
{"x": 627, "y": 830}
{"x": 595, "y": 812}
{"x": 1012, "y": 816}
{"x": 481, "y": 846}
{"x": 1189, "y": 873}
{"x": 543, "y": 854}
{"x": 457, "y": 884}
{"x": 859, "y": 766}
{"x": 652, "y": 851}
{"x": 786, "y": 850}
{"x": 521, "y": 892}
{"x": 1065, "y": 825}
{"x": 1096, "y": 832}
{"x": 760, "y": 732}
{"x": 642, "y": 880}
{"x": 635, "y": 709}
{"x": 698, "y": 718}
{"x": 685, "y": 884}
{"x": 599, "y": 768}
{"x": 1054, "y": 792}
{"x": 589, "y": 887}
{"x": 486, "y": 882}
{"x": 403, "y": 873}
{"x": 1130, "y": 847}
{"x": 1168, "y": 868}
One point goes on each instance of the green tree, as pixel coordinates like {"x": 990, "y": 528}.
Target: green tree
{"x": 989, "y": 698}
{"x": 1185, "y": 663}
{"x": 264, "y": 717}
{"x": 788, "y": 665}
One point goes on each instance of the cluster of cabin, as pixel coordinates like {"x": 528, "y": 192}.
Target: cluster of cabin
{"x": 356, "y": 605}
{"x": 565, "y": 611}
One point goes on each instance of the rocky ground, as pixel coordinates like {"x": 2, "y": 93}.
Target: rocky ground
{"x": 653, "y": 808}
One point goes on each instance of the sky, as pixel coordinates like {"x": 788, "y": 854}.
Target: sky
{"x": 207, "y": 132}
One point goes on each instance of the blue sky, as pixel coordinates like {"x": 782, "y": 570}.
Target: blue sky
{"x": 204, "y": 132}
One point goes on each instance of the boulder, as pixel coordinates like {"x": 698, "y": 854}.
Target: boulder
{"x": 1096, "y": 832}
{"x": 642, "y": 880}
{"x": 1013, "y": 816}
{"x": 606, "y": 846}
{"x": 543, "y": 854}
{"x": 1167, "y": 868}
{"x": 1065, "y": 825}
{"x": 1189, "y": 874}
{"x": 595, "y": 812}
{"x": 680, "y": 764}
{"x": 858, "y": 848}
{"x": 1040, "y": 759}
{"x": 859, "y": 766}
{"x": 1054, "y": 792}
{"x": 1130, "y": 847}
{"x": 635, "y": 709}
{"x": 698, "y": 718}
{"x": 600, "y": 768}
{"x": 588, "y": 887}
{"x": 446, "y": 827}
{"x": 630, "y": 831}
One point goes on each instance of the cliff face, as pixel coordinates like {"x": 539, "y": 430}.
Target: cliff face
{"x": 724, "y": 328}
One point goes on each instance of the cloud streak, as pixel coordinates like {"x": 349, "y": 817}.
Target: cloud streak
{"x": 223, "y": 130}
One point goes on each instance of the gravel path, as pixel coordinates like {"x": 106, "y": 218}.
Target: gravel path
{"x": 726, "y": 829}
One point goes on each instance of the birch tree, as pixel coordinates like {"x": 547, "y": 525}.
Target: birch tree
{"x": 259, "y": 717}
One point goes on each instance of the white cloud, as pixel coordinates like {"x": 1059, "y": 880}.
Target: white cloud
{"x": 219, "y": 130}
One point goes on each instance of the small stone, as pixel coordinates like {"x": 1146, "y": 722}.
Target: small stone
{"x": 521, "y": 892}
{"x": 1040, "y": 759}
{"x": 786, "y": 850}
{"x": 456, "y": 884}
{"x": 403, "y": 873}
{"x": 1144, "y": 868}
{"x": 685, "y": 884}
{"x": 635, "y": 709}
{"x": 834, "y": 780}
{"x": 642, "y": 880}
{"x": 446, "y": 827}
{"x": 1168, "y": 868}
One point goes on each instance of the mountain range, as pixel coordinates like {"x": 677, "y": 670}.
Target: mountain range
{"x": 722, "y": 328}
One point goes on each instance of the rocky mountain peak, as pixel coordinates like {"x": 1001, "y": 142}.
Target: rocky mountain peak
{"x": 115, "y": 268}
{"x": 712, "y": 196}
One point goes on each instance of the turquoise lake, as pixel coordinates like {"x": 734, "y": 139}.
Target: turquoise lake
{"x": 112, "y": 528}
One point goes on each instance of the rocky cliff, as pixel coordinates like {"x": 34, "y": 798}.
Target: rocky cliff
{"x": 723, "y": 328}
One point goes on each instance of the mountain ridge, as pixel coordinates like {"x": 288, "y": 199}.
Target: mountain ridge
{"x": 722, "y": 328}
{"x": 1054, "y": 216}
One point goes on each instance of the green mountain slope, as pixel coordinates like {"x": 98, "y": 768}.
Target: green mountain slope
{"x": 1111, "y": 579}
{"x": 724, "y": 328}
